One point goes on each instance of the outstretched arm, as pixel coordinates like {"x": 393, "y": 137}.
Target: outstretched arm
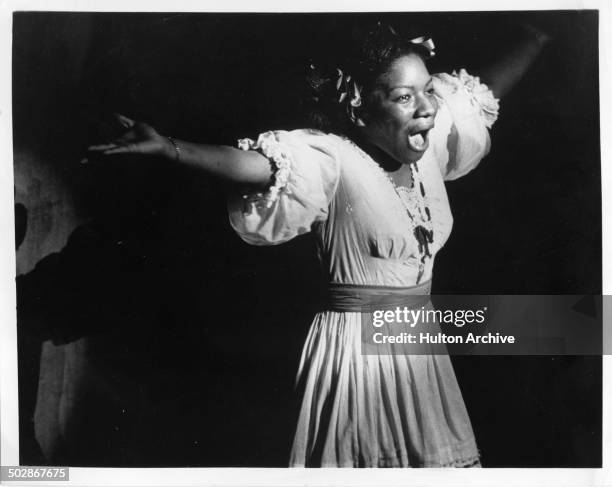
{"x": 503, "y": 75}
{"x": 226, "y": 163}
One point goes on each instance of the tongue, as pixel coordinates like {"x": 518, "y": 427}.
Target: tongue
{"x": 417, "y": 141}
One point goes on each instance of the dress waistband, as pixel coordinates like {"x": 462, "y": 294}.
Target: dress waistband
{"x": 357, "y": 298}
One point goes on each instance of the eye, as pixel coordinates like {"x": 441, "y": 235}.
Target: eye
{"x": 430, "y": 91}
{"x": 405, "y": 98}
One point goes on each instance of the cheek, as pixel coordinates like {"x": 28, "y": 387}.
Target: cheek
{"x": 392, "y": 130}
{"x": 396, "y": 117}
{"x": 434, "y": 104}
{"x": 388, "y": 122}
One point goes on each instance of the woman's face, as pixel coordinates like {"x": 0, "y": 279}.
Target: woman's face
{"x": 400, "y": 110}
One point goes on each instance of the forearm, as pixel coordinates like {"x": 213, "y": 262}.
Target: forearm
{"x": 226, "y": 163}
{"x": 503, "y": 75}
{"x": 223, "y": 162}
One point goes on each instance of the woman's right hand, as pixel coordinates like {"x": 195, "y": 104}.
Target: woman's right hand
{"x": 137, "y": 138}
{"x": 245, "y": 167}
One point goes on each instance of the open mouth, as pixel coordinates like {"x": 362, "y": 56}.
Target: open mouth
{"x": 418, "y": 140}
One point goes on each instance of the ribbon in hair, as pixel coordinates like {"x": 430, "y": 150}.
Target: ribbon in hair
{"x": 427, "y": 43}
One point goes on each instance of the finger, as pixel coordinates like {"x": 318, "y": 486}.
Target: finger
{"x": 120, "y": 149}
{"x": 123, "y": 140}
{"x": 108, "y": 150}
{"x": 126, "y": 122}
{"x": 101, "y": 147}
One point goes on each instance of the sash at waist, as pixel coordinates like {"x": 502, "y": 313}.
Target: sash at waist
{"x": 357, "y": 298}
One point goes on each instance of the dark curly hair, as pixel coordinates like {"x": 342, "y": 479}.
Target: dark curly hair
{"x": 379, "y": 48}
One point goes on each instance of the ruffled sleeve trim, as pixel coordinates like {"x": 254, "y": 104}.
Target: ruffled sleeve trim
{"x": 480, "y": 94}
{"x": 306, "y": 173}
{"x": 280, "y": 155}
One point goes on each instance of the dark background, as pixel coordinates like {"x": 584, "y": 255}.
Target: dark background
{"x": 175, "y": 343}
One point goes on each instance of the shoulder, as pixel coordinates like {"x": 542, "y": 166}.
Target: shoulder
{"x": 298, "y": 139}
{"x": 317, "y": 138}
{"x": 334, "y": 146}
{"x": 292, "y": 148}
{"x": 302, "y": 134}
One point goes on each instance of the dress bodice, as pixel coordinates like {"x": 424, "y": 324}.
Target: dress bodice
{"x": 368, "y": 237}
{"x": 365, "y": 226}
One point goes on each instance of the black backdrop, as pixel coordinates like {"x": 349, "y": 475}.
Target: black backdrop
{"x": 197, "y": 334}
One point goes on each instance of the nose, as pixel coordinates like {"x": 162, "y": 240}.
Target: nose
{"x": 427, "y": 107}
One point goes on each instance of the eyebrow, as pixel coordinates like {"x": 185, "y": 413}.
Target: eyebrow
{"x": 408, "y": 86}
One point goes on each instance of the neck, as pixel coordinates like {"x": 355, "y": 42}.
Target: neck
{"x": 383, "y": 159}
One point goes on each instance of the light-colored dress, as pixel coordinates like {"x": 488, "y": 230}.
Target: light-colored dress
{"x": 371, "y": 410}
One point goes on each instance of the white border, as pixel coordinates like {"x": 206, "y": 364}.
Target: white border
{"x": 299, "y": 6}
{"x": 9, "y": 443}
{"x": 605, "y": 78}
{"x": 265, "y": 477}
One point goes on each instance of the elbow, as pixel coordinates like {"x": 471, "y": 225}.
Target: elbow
{"x": 248, "y": 168}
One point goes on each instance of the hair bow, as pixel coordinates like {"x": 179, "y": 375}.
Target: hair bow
{"x": 348, "y": 88}
{"x": 427, "y": 43}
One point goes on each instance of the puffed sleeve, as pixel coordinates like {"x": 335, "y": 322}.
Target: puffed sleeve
{"x": 467, "y": 110}
{"x": 306, "y": 174}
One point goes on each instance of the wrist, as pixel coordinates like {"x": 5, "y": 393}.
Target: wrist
{"x": 172, "y": 149}
{"x": 537, "y": 35}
